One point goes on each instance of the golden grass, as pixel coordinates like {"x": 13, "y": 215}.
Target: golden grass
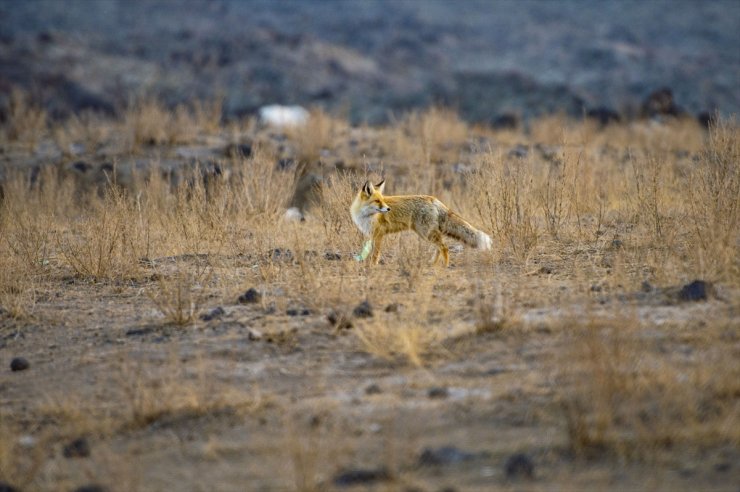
{"x": 584, "y": 214}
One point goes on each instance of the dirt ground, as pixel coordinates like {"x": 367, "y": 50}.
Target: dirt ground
{"x": 295, "y": 405}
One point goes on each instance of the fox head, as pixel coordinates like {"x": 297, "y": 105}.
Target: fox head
{"x": 371, "y": 198}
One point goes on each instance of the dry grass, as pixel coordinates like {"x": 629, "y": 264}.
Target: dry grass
{"x": 581, "y": 218}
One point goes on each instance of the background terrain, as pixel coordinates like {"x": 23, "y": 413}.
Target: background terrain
{"x": 373, "y": 58}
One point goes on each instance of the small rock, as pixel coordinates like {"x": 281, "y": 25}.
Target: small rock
{"x": 339, "y": 320}
{"x": 723, "y": 466}
{"x": 27, "y": 441}
{"x": 519, "y": 152}
{"x": 79, "y": 448}
{"x": 279, "y": 254}
{"x": 505, "y": 121}
{"x": 360, "y": 476}
{"x": 331, "y": 256}
{"x": 285, "y": 163}
{"x": 254, "y": 335}
{"x": 238, "y": 150}
{"x": 707, "y": 119}
{"x": 646, "y": 287}
{"x": 373, "y": 389}
{"x": 251, "y": 296}
{"x": 135, "y": 332}
{"x": 90, "y": 488}
{"x": 81, "y": 166}
{"x": 392, "y": 308}
{"x": 698, "y": 290}
{"x": 438, "y": 392}
{"x": 519, "y": 466}
{"x": 660, "y": 102}
{"x": 603, "y": 115}
{"x": 363, "y": 310}
{"x": 6, "y": 487}
{"x": 213, "y": 314}
{"x": 446, "y": 455}
{"x": 19, "y": 364}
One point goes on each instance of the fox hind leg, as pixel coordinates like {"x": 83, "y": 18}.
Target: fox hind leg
{"x": 442, "y": 250}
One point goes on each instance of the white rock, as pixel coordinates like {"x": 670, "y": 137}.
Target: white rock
{"x": 283, "y": 116}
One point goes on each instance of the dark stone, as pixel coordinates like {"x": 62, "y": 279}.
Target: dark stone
{"x": 44, "y": 37}
{"x": 617, "y": 244}
{"x": 698, "y": 290}
{"x": 285, "y": 163}
{"x": 603, "y": 115}
{"x": 392, "y": 308}
{"x": 298, "y": 312}
{"x": 723, "y": 467}
{"x": 331, "y": 256}
{"x": 519, "y": 466}
{"x": 505, "y": 121}
{"x": 707, "y": 119}
{"x": 363, "y": 310}
{"x": 134, "y": 332}
{"x": 251, "y": 296}
{"x": 373, "y": 389}
{"x": 646, "y": 287}
{"x": 6, "y": 487}
{"x": 79, "y": 448}
{"x": 519, "y": 152}
{"x": 438, "y": 392}
{"x": 213, "y": 314}
{"x": 90, "y": 488}
{"x": 279, "y": 254}
{"x": 238, "y": 150}
{"x": 339, "y": 320}
{"x": 359, "y": 476}
{"x": 19, "y": 364}
{"x": 660, "y": 103}
{"x": 446, "y": 455}
{"x": 81, "y": 166}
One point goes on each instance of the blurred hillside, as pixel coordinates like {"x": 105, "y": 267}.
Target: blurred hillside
{"x": 369, "y": 59}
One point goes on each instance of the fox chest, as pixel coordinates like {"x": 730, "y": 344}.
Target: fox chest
{"x": 364, "y": 223}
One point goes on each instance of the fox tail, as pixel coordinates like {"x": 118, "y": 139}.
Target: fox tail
{"x": 456, "y": 227}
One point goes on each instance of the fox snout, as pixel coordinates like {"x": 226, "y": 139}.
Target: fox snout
{"x": 385, "y": 209}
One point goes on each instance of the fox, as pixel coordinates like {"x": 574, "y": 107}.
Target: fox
{"x": 377, "y": 215}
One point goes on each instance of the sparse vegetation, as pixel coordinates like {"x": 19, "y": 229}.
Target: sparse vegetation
{"x": 568, "y": 334}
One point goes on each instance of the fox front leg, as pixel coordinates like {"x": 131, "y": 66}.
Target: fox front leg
{"x": 366, "y": 249}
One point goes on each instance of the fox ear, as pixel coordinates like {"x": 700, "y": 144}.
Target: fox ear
{"x": 367, "y": 188}
{"x": 380, "y": 186}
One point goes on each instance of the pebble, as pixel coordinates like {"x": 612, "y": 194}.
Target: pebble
{"x": 19, "y": 364}
{"x": 519, "y": 466}
{"x": 79, "y": 448}
{"x": 251, "y": 296}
